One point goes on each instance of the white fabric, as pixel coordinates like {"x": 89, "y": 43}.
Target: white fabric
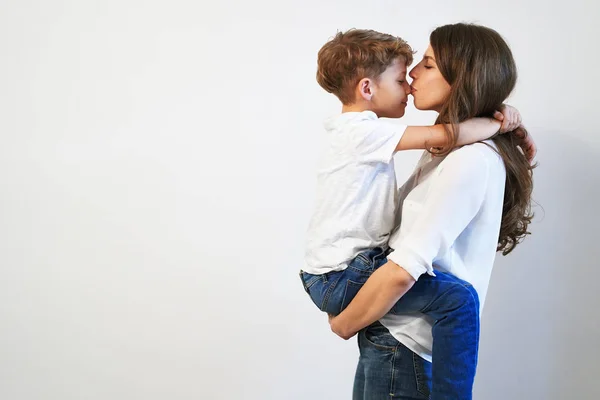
{"x": 356, "y": 191}
{"x": 450, "y": 217}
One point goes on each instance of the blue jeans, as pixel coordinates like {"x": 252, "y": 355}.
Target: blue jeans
{"x": 389, "y": 370}
{"x": 452, "y": 303}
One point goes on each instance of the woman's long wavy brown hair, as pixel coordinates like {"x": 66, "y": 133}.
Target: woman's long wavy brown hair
{"x": 479, "y": 66}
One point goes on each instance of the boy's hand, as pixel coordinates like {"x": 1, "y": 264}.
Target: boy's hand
{"x": 511, "y": 121}
{"x": 526, "y": 143}
{"x": 510, "y": 118}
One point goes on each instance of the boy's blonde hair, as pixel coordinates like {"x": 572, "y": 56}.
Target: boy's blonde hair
{"x": 356, "y": 54}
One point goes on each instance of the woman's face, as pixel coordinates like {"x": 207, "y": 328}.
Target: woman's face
{"x": 429, "y": 88}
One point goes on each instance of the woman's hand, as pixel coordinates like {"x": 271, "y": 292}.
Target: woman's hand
{"x": 337, "y": 329}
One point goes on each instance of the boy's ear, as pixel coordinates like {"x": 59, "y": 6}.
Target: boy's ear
{"x": 366, "y": 88}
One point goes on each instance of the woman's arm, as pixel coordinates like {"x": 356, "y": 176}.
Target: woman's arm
{"x": 378, "y": 295}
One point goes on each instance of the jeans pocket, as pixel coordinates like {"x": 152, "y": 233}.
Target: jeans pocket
{"x": 362, "y": 264}
{"x": 380, "y": 337}
{"x": 350, "y": 292}
{"x": 422, "y": 375}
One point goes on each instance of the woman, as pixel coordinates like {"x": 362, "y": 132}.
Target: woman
{"x": 458, "y": 209}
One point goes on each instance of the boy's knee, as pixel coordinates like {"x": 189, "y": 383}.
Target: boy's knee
{"x": 464, "y": 296}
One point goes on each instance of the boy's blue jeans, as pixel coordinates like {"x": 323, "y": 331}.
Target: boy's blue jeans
{"x": 452, "y": 303}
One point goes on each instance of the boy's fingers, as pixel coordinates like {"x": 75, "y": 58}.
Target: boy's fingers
{"x": 505, "y": 125}
{"x": 530, "y": 153}
{"x": 516, "y": 121}
{"x": 513, "y": 120}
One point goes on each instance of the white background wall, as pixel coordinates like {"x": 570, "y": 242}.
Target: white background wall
{"x": 156, "y": 178}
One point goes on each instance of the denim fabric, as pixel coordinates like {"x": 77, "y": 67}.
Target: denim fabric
{"x": 451, "y": 302}
{"x": 389, "y": 370}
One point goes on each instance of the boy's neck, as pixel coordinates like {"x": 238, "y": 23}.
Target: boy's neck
{"x": 358, "y": 106}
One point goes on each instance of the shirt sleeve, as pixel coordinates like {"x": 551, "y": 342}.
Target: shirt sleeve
{"x": 454, "y": 198}
{"x": 376, "y": 141}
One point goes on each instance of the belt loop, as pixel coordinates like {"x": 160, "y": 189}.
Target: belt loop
{"x": 302, "y": 279}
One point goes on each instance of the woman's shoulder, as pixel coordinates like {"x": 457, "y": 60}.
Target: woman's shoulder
{"x": 480, "y": 152}
{"x": 477, "y": 159}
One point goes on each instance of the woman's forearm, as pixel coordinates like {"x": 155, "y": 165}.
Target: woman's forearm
{"x": 379, "y": 294}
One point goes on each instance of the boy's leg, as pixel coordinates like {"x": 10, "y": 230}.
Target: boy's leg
{"x": 454, "y": 306}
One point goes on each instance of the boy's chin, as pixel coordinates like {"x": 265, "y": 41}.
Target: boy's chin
{"x": 398, "y": 114}
{"x": 392, "y": 114}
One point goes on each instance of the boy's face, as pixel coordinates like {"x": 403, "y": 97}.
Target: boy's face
{"x": 391, "y": 91}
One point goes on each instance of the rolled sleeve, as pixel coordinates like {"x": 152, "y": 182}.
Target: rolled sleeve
{"x": 454, "y": 198}
{"x": 411, "y": 261}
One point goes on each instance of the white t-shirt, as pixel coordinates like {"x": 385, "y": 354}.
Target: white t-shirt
{"x": 357, "y": 198}
{"x": 451, "y": 210}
